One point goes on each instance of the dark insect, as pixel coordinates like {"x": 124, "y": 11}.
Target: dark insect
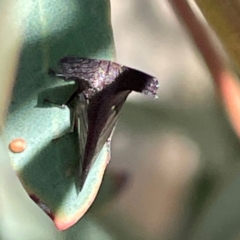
{"x": 102, "y": 88}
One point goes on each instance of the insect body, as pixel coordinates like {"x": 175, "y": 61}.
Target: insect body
{"x": 102, "y": 88}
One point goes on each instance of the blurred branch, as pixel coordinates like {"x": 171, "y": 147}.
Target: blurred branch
{"x": 214, "y": 57}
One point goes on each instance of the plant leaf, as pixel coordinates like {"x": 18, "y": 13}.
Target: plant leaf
{"x": 46, "y": 168}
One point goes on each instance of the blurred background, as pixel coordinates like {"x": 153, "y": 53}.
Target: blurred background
{"x": 179, "y": 151}
{"x": 175, "y": 160}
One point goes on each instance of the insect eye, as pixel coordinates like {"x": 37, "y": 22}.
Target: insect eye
{"x": 70, "y": 70}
